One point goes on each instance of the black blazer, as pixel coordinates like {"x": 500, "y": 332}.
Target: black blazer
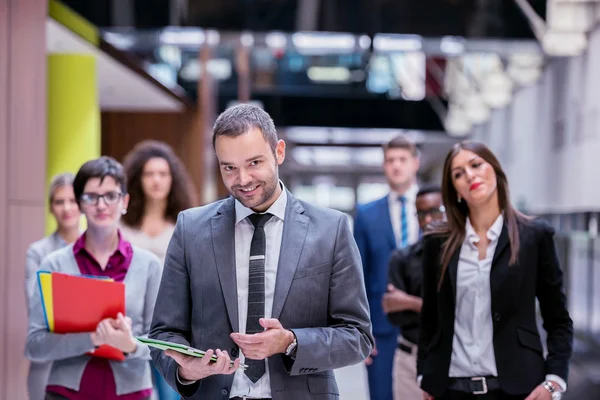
{"x": 518, "y": 350}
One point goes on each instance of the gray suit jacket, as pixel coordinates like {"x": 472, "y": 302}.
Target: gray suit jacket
{"x": 319, "y": 295}
{"x": 35, "y": 254}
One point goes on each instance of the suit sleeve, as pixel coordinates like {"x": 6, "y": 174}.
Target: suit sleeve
{"x": 360, "y": 236}
{"x": 347, "y": 340}
{"x": 154, "y": 274}
{"x": 172, "y": 312}
{"x": 398, "y": 264}
{"x": 32, "y": 264}
{"x": 428, "y": 323}
{"x": 553, "y": 307}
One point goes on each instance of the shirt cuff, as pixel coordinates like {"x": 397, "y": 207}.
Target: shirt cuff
{"x": 183, "y": 381}
{"x": 419, "y": 379}
{"x": 561, "y": 382}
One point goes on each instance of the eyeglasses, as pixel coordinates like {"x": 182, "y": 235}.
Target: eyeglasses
{"x": 92, "y": 199}
{"x": 433, "y": 212}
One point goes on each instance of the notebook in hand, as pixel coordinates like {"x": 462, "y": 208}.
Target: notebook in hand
{"x": 180, "y": 348}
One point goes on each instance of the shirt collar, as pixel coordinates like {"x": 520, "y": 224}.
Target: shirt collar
{"x": 492, "y": 234}
{"x": 410, "y": 194}
{"x": 123, "y": 247}
{"x": 277, "y": 208}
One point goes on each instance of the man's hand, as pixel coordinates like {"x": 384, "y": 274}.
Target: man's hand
{"x": 195, "y": 369}
{"x": 115, "y": 333}
{"x": 369, "y": 359}
{"x": 275, "y": 339}
{"x": 541, "y": 393}
{"x": 427, "y": 396}
{"x": 396, "y": 300}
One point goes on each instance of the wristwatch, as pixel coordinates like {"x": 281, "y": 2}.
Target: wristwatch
{"x": 291, "y": 349}
{"x": 554, "y": 392}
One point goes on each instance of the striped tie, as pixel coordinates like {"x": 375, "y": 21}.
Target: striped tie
{"x": 256, "y": 290}
{"x": 403, "y": 223}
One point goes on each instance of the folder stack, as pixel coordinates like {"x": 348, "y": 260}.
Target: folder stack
{"x": 77, "y": 303}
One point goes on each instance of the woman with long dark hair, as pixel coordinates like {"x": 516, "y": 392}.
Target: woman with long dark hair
{"x": 483, "y": 270}
{"x": 159, "y": 188}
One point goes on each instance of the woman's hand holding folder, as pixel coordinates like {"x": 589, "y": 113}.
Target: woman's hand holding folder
{"x": 116, "y": 333}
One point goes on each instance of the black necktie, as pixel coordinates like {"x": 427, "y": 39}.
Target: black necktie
{"x": 256, "y": 289}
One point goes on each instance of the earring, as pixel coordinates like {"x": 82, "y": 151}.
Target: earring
{"x": 459, "y": 199}
{"x": 124, "y": 211}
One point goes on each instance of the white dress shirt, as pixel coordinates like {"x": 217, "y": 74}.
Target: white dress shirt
{"x": 244, "y": 230}
{"x": 411, "y": 215}
{"x": 473, "y": 343}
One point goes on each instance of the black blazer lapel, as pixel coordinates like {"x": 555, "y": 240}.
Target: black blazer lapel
{"x": 500, "y": 265}
{"x": 502, "y": 244}
{"x": 453, "y": 273}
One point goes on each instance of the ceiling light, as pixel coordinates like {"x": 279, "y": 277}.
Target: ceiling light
{"x": 275, "y": 40}
{"x": 564, "y": 44}
{"x": 183, "y": 38}
{"x": 456, "y": 123}
{"x": 496, "y": 89}
{"x": 397, "y": 43}
{"x": 452, "y": 45}
{"x": 524, "y": 76}
{"x": 328, "y": 74}
{"x": 364, "y": 42}
{"x": 320, "y": 42}
{"x": 475, "y": 108}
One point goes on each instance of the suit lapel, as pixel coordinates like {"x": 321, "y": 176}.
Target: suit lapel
{"x": 453, "y": 272}
{"x": 386, "y": 222}
{"x": 502, "y": 244}
{"x": 223, "y": 237}
{"x": 499, "y": 267}
{"x": 295, "y": 228}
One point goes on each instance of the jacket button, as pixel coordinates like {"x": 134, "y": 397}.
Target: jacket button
{"x": 234, "y": 352}
{"x": 497, "y": 317}
{"x": 224, "y": 392}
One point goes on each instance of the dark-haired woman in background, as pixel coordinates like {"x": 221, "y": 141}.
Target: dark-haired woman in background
{"x": 483, "y": 271}
{"x": 159, "y": 188}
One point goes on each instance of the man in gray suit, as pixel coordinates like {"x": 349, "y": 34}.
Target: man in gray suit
{"x": 261, "y": 276}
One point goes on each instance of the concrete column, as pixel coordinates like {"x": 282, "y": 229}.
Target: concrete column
{"x": 22, "y": 173}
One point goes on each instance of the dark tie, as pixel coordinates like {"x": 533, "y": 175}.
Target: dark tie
{"x": 256, "y": 290}
{"x": 403, "y": 223}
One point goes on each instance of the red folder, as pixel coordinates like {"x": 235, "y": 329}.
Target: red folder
{"x": 80, "y": 303}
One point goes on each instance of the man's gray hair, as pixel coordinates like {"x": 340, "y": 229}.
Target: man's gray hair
{"x": 239, "y": 119}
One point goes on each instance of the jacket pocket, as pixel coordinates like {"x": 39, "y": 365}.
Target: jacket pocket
{"x": 319, "y": 384}
{"x": 310, "y": 271}
{"x": 530, "y": 340}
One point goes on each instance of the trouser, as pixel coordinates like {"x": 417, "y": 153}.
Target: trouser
{"x": 405, "y": 372}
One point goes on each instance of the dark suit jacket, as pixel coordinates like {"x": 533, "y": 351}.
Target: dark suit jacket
{"x": 374, "y": 236}
{"x": 519, "y": 356}
{"x": 319, "y": 295}
{"x": 405, "y": 273}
